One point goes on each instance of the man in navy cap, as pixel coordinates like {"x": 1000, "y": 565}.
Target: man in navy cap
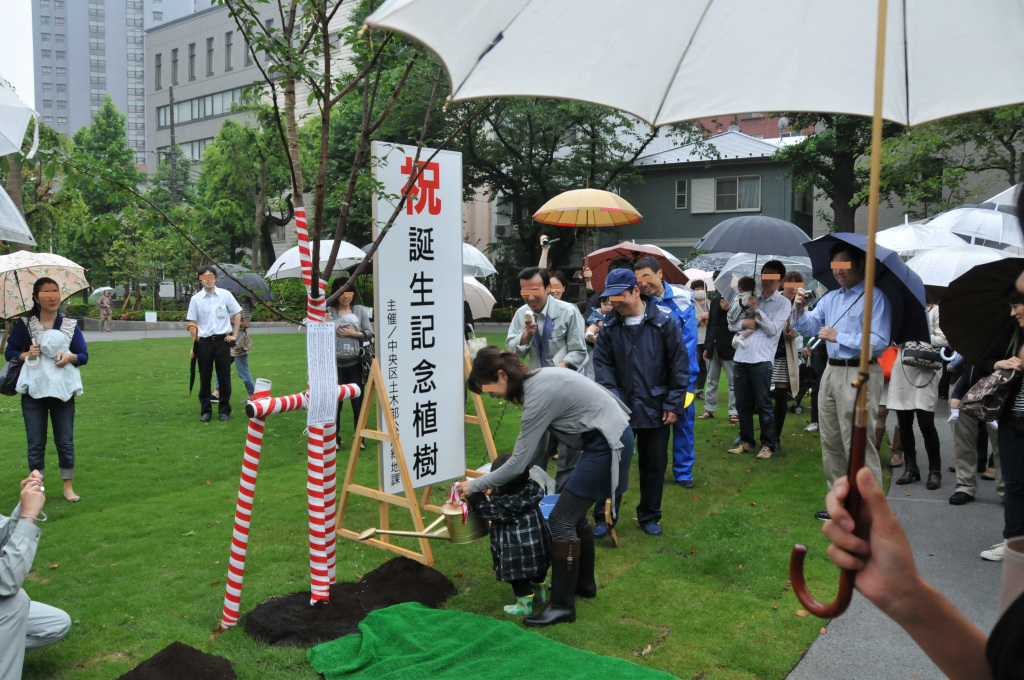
{"x": 640, "y": 357}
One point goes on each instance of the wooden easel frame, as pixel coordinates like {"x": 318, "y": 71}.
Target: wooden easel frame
{"x": 375, "y": 388}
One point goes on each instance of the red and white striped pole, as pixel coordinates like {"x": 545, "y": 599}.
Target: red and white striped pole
{"x": 243, "y": 513}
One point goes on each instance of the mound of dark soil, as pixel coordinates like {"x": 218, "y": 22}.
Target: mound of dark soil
{"x": 177, "y": 661}
{"x": 290, "y": 620}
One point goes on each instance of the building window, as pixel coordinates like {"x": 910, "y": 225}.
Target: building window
{"x": 62, "y": 103}
{"x": 248, "y": 55}
{"x": 745, "y": 116}
{"x": 158, "y": 16}
{"x": 209, "y": 57}
{"x": 174, "y": 66}
{"x": 47, "y": 103}
{"x": 62, "y": 120}
{"x": 45, "y": 37}
{"x": 62, "y": 87}
{"x": 44, "y": 4}
{"x": 680, "y": 194}
{"x": 58, "y": 21}
{"x": 58, "y": 4}
{"x": 47, "y": 70}
{"x": 228, "y": 37}
{"x": 783, "y": 135}
{"x": 59, "y": 37}
{"x": 47, "y": 87}
{"x": 48, "y": 120}
{"x": 46, "y": 54}
{"x": 45, "y": 21}
{"x": 61, "y": 54}
{"x": 737, "y": 194}
{"x": 158, "y": 70}
{"x": 191, "y": 61}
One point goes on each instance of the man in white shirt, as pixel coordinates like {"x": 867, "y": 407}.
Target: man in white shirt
{"x": 217, "y": 315}
{"x": 752, "y": 364}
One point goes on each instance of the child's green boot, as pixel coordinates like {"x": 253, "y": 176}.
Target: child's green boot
{"x": 523, "y": 606}
{"x": 541, "y": 592}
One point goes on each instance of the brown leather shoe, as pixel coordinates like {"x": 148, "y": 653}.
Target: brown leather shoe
{"x": 765, "y": 453}
{"x": 734, "y": 420}
{"x": 989, "y": 473}
{"x": 742, "y": 448}
{"x": 896, "y": 460}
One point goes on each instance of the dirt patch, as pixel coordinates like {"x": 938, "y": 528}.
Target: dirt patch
{"x": 177, "y": 661}
{"x": 290, "y": 620}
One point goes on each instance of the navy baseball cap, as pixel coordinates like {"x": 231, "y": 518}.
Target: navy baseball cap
{"x": 618, "y": 282}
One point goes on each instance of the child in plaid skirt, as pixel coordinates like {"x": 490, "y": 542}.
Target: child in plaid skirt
{"x": 520, "y": 540}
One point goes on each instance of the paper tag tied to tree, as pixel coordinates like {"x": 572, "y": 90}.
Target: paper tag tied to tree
{"x": 323, "y": 375}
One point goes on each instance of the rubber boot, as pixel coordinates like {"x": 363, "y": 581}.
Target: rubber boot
{"x": 911, "y": 473}
{"x": 541, "y": 592}
{"x": 585, "y": 584}
{"x": 523, "y": 605}
{"x": 565, "y": 565}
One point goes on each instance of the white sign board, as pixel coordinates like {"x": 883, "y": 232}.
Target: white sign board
{"x": 150, "y": 317}
{"x": 322, "y": 372}
{"x": 418, "y": 303}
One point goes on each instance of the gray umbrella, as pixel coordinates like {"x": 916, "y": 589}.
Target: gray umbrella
{"x": 758, "y": 234}
{"x": 709, "y": 262}
{"x": 253, "y": 281}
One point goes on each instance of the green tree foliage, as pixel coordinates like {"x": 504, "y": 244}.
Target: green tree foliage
{"x": 101, "y": 148}
{"x": 172, "y": 183}
{"x": 833, "y": 161}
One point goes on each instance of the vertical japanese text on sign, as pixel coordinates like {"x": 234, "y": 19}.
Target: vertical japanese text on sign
{"x": 423, "y": 188}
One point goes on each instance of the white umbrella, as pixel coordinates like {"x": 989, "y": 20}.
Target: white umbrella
{"x": 940, "y": 266}
{"x": 910, "y": 239}
{"x": 749, "y": 264}
{"x": 288, "y": 266}
{"x": 14, "y": 119}
{"x": 692, "y": 274}
{"x": 12, "y": 225}
{"x": 684, "y": 63}
{"x": 981, "y": 226}
{"x": 480, "y": 300}
{"x": 98, "y": 293}
{"x": 19, "y": 271}
{"x": 475, "y": 263}
{"x": 1004, "y": 197}
{"x": 668, "y": 256}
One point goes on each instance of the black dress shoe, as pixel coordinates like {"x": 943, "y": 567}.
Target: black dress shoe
{"x": 224, "y": 417}
{"x": 205, "y": 418}
{"x": 960, "y": 498}
{"x": 822, "y": 515}
{"x": 685, "y": 483}
{"x": 934, "y": 480}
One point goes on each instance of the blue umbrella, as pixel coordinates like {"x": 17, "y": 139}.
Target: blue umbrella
{"x": 902, "y": 287}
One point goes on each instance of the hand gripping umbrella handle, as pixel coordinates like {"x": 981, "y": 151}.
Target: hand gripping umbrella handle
{"x": 853, "y": 504}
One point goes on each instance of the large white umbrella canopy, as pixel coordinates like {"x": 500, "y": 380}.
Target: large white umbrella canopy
{"x": 910, "y": 239}
{"x": 288, "y": 266}
{"x": 475, "y": 263}
{"x": 938, "y": 267}
{"x": 668, "y": 61}
{"x": 480, "y": 300}
{"x": 15, "y": 116}
{"x": 981, "y": 226}
{"x": 12, "y": 225}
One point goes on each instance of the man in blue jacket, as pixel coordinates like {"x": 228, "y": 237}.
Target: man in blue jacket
{"x": 639, "y": 356}
{"x": 677, "y": 302}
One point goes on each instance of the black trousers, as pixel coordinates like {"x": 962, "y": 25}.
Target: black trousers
{"x": 214, "y": 353}
{"x": 926, "y": 423}
{"x": 652, "y": 461}
{"x": 350, "y": 375}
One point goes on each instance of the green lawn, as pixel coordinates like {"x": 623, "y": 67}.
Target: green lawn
{"x": 141, "y": 561}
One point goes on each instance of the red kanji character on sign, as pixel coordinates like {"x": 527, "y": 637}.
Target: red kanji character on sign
{"x": 428, "y": 181}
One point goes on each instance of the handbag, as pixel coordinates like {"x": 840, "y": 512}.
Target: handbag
{"x": 921, "y": 355}
{"x": 367, "y": 353}
{"x": 9, "y": 377}
{"x": 986, "y": 400}
{"x": 474, "y": 345}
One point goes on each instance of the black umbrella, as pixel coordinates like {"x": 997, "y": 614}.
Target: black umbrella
{"x": 903, "y": 288}
{"x": 757, "y": 234}
{"x": 193, "y": 330}
{"x": 974, "y": 313}
{"x": 250, "y": 279}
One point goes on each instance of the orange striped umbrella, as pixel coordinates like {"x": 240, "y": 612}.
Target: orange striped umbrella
{"x": 587, "y": 208}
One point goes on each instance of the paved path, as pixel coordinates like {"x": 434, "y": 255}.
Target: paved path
{"x": 864, "y": 643}
{"x": 98, "y": 336}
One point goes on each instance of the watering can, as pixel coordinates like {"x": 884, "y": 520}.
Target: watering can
{"x": 453, "y": 530}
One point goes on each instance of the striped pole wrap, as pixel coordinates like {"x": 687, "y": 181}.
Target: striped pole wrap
{"x": 330, "y": 495}
{"x": 318, "y": 572}
{"x": 262, "y": 407}
{"x": 243, "y": 514}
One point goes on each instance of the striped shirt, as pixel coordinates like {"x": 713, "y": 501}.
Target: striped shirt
{"x": 771, "y": 318}
{"x": 843, "y": 310}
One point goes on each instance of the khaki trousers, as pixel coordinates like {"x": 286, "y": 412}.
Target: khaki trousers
{"x": 965, "y": 451}
{"x": 836, "y": 404}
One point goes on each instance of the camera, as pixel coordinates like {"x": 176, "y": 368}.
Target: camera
{"x": 545, "y": 242}
{"x": 528, "y": 317}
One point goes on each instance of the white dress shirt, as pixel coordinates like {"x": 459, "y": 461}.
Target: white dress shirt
{"x": 212, "y": 312}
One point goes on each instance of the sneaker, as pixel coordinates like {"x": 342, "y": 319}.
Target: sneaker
{"x": 822, "y": 515}
{"x": 600, "y": 529}
{"x": 813, "y": 427}
{"x": 742, "y": 448}
{"x": 764, "y": 453}
{"x": 215, "y": 398}
{"x": 654, "y": 529}
{"x": 989, "y": 473}
{"x": 995, "y": 553}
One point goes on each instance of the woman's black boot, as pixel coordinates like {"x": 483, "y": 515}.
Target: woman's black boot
{"x": 565, "y": 565}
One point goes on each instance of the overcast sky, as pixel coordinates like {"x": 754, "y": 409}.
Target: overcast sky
{"x": 16, "y": 47}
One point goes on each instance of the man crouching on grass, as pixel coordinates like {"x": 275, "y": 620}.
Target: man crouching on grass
{"x": 24, "y": 624}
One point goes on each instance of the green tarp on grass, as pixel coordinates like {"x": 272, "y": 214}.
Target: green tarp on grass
{"x": 412, "y": 641}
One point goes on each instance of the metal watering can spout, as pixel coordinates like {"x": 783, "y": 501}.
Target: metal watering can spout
{"x": 454, "y": 531}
